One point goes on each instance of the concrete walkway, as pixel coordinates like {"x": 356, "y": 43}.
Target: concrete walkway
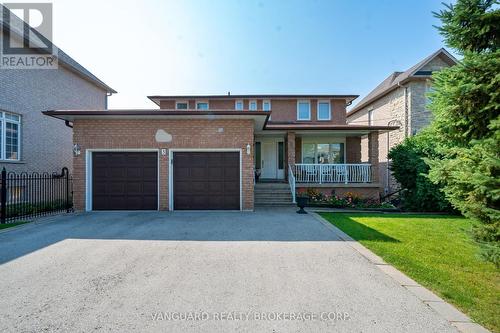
{"x": 272, "y": 270}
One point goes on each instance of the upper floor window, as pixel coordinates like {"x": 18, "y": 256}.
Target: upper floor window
{"x": 181, "y": 105}
{"x": 370, "y": 117}
{"x": 324, "y": 110}
{"x": 266, "y": 105}
{"x": 303, "y": 110}
{"x": 238, "y": 105}
{"x": 10, "y": 136}
{"x": 201, "y": 105}
{"x": 252, "y": 106}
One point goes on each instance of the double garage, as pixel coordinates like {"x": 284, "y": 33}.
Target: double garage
{"x": 129, "y": 180}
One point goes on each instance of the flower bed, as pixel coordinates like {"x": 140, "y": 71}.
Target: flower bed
{"x": 349, "y": 200}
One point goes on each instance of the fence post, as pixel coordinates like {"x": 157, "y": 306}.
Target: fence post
{"x": 3, "y": 197}
{"x": 65, "y": 172}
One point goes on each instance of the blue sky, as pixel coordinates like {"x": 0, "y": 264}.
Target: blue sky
{"x": 265, "y": 46}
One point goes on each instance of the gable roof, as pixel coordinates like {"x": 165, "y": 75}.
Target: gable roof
{"x": 396, "y": 78}
{"x": 17, "y": 26}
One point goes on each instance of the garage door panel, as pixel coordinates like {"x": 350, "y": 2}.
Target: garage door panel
{"x": 216, "y": 173}
{"x": 124, "y": 180}
{"x": 206, "y": 180}
{"x": 216, "y": 187}
{"x": 198, "y": 173}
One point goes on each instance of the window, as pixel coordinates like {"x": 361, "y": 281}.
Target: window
{"x": 201, "y": 105}
{"x": 238, "y": 105}
{"x": 266, "y": 105}
{"x": 370, "y": 117}
{"x": 324, "y": 110}
{"x": 10, "y": 138}
{"x": 323, "y": 153}
{"x": 181, "y": 105}
{"x": 252, "y": 106}
{"x": 303, "y": 110}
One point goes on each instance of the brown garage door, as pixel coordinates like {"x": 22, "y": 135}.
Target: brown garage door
{"x": 124, "y": 180}
{"x": 206, "y": 180}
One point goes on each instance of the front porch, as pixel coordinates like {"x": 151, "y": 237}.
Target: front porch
{"x": 329, "y": 162}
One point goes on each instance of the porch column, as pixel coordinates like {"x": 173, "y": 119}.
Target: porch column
{"x": 290, "y": 150}
{"x": 373, "y": 155}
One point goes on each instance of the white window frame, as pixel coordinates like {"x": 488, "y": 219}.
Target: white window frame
{"x": 236, "y": 105}
{"x": 3, "y": 141}
{"x": 324, "y": 101}
{"x": 298, "y": 113}
{"x": 250, "y": 105}
{"x": 268, "y": 101}
{"x": 181, "y": 102}
{"x": 202, "y": 101}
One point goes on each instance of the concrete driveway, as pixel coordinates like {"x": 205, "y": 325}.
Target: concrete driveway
{"x": 156, "y": 271}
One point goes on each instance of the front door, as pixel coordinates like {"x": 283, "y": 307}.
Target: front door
{"x": 268, "y": 161}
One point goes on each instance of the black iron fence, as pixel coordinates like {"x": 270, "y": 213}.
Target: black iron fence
{"x": 26, "y": 195}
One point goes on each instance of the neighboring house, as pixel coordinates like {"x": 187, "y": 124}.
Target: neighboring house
{"x": 399, "y": 100}
{"x": 30, "y": 141}
{"x": 203, "y": 152}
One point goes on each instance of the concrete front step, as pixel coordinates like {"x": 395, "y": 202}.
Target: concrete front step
{"x": 270, "y": 204}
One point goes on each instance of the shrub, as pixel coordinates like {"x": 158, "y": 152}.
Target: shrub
{"x": 411, "y": 171}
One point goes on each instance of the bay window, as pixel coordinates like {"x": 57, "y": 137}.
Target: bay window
{"x": 10, "y": 136}
{"x": 323, "y": 153}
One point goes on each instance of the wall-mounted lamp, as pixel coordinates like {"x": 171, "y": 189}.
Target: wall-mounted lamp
{"x": 248, "y": 149}
{"x": 76, "y": 149}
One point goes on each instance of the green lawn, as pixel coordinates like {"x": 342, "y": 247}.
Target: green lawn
{"x": 434, "y": 250}
{"x": 10, "y": 225}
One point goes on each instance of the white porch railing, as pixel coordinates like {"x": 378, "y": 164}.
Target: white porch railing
{"x": 332, "y": 173}
{"x": 291, "y": 182}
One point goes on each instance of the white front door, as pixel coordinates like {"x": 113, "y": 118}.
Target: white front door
{"x": 269, "y": 160}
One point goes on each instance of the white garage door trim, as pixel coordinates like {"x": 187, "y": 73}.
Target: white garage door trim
{"x": 215, "y": 150}
{"x": 88, "y": 172}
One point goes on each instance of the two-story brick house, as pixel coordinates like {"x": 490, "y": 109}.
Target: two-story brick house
{"x": 398, "y": 100}
{"x": 203, "y": 152}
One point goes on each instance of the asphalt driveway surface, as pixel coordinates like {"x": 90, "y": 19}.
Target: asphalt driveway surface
{"x": 267, "y": 271}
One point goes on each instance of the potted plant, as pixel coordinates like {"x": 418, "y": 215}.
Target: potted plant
{"x": 302, "y": 200}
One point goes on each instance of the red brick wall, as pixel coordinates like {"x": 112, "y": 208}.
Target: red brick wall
{"x": 353, "y": 149}
{"x": 141, "y": 134}
{"x": 283, "y": 110}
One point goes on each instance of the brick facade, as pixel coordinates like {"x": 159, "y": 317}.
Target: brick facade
{"x": 283, "y": 110}
{"x": 353, "y": 149}
{"x": 136, "y": 134}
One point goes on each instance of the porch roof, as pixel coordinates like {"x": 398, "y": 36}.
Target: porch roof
{"x": 302, "y": 128}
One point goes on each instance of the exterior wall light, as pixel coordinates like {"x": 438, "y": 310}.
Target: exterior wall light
{"x": 248, "y": 149}
{"x": 76, "y": 149}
